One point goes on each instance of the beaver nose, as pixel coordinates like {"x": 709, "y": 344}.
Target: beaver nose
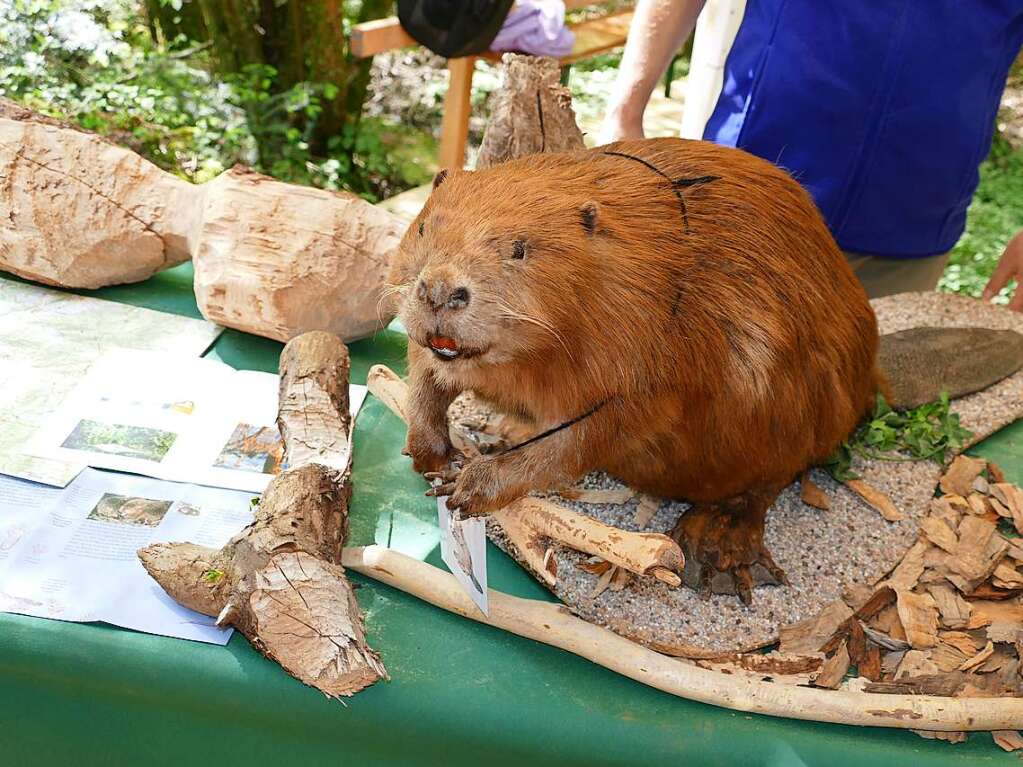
{"x": 439, "y": 295}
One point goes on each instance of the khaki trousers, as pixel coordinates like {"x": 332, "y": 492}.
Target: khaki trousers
{"x": 885, "y": 276}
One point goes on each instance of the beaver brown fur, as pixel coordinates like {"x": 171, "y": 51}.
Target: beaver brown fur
{"x": 674, "y": 312}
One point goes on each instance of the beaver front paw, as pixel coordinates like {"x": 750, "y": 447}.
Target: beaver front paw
{"x": 473, "y": 490}
{"x": 430, "y": 451}
{"x": 724, "y": 548}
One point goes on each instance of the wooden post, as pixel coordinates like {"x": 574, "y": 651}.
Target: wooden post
{"x": 454, "y": 129}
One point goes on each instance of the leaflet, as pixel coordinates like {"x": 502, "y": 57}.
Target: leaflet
{"x": 175, "y": 418}
{"x": 78, "y": 562}
{"x": 48, "y": 340}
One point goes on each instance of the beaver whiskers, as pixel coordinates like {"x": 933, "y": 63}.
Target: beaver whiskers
{"x": 508, "y": 312}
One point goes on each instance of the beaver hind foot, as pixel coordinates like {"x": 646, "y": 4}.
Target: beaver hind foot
{"x": 724, "y": 546}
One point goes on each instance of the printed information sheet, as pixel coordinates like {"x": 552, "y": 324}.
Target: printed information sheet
{"x": 175, "y": 418}
{"x": 76, "y": 561}
{"x": 48, "y": 340}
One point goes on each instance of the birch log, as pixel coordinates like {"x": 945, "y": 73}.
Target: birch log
{"x": 530, "y": 113}
{"x": 280, "y": 580}
{"x": 530, "y": 523}
{"x": 554, "y": 625}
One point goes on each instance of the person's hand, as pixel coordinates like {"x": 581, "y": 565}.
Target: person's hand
{"x": 1010, "y": 266}
{"x": 620, "y": 125}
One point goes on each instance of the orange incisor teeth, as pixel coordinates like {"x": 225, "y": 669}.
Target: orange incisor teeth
{"x": 443, "y": 342}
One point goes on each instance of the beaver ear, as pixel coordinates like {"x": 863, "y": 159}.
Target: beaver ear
{"x": 439, "y": 178}
{"x": 588, "y": 215}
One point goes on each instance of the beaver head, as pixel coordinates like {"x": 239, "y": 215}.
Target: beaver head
{"x": 475, "y": 269}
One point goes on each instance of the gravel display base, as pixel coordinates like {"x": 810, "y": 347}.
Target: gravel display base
{"x": 822, "y": 552}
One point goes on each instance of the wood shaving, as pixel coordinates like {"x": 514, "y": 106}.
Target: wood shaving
{"x": 919, "y": 617}
{"x": 979, "y": 658}
{"x": 958, "y": 479}
{"x": 617, "y": 495}
{"x": 834, "y": 669}
{"x": 954, "y": 736}
{"x": 645, "y": 510}
{"x": 876, "y": 499}
{"x": 940, "y": 534}
{"x": 1007, "y": 740}
{"x": 811, "y": 494}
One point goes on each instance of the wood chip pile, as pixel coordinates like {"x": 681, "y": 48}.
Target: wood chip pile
{"x": 948, "y": 620}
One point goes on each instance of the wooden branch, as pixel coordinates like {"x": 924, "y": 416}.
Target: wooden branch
{"x": 530, "y": 522}
{"x": 530, "y": 113}
{"x": 280, "y": 581}
{"x": 641, "y": 553}
{"x": 553, "y": 624}
{"x": 271, "y": 258}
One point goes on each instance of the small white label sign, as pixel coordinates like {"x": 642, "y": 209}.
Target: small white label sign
{"x": 463, "y": 547}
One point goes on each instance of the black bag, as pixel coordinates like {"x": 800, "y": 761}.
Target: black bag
{"x": 453, "y": 28}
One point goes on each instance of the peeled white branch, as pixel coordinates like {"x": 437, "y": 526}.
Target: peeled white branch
{"x": 554, "y": 625}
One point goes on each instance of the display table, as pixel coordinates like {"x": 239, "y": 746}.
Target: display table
{"x": 461, "y": 692}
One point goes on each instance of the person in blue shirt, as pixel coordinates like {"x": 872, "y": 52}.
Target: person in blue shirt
{"x": 882, "y": 109}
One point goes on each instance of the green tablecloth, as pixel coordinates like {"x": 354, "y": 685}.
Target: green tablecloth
{"x": 461, "y": 693}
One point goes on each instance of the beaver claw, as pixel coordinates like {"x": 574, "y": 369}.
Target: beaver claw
{"x": 725, "y": 551}
{"x": 443, "y": 482}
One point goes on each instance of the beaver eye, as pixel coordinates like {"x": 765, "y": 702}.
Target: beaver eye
{"x": 422, "y": 225}
{"x": 519, "y": 249}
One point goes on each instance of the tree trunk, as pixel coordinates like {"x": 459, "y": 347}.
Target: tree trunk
{"x": 165, "y": 23}
{"x": 304, "y": 42}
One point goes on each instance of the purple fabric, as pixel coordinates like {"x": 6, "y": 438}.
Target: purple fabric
{"x": 536, "y": 27}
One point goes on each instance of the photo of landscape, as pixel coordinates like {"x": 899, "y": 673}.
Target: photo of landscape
{"x": 118, "y": 439}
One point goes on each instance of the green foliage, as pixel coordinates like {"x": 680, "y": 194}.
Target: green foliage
{"x": 93, "y": 63}
{"x": 213, "y": 575}
{"x": 927, "y": 432}
{"x": 995, "y": 215}
{"x": 96, "y": 64}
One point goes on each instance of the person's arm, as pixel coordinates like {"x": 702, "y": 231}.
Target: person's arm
{"x": 658, "y": 30}
{"x": 1010, "y": 266}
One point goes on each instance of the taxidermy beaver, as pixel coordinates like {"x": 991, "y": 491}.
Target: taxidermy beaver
{"x": 673, "y": 312}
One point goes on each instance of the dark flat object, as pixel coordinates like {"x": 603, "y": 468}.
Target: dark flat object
{"x": 921, "y": 363}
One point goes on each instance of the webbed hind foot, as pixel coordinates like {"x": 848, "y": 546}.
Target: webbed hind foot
{"x": 724, "y": 546}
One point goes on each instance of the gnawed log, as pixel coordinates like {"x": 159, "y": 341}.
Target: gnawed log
{"x": 280, "y": 580}
{"x": 80, "y": 212}
{"x": 530, "y": 113}
{"x": 530, "y": 523}
{"x": 271, "y": 258}
{"x": 278, "y": 259}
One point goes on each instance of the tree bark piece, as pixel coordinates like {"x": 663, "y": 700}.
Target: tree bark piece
{"x": 553, "y": 624}
{"x": 271, "y": 258}
{"x": 280, "y": 581}
{"x": 530, "y": 523}
{"x": 531, "y": 113}
{"x": 921, "y": 363}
